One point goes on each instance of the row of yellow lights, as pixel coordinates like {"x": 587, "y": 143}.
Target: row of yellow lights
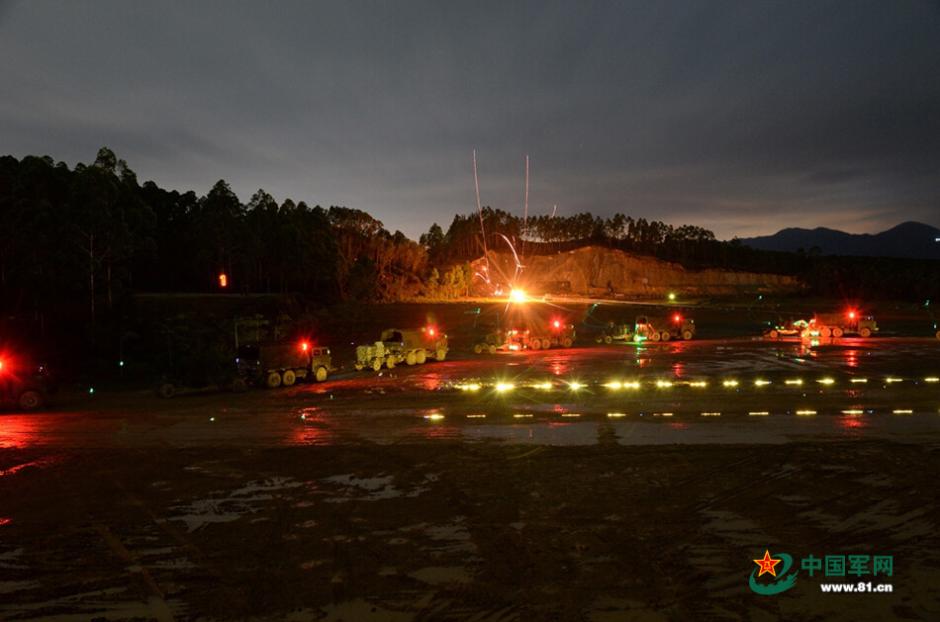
{"x": 803, "y": 412}
{"x": 617, "y": 385}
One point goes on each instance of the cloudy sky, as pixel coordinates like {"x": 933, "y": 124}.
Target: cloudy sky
{"x": 744, "y": 117}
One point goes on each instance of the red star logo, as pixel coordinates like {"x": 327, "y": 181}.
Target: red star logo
{"x": 767, "y": 564}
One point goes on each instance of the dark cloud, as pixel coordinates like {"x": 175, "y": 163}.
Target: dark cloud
{"x": 741, "y": 116}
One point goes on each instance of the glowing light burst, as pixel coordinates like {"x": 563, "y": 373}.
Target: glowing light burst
{"x": 518, "y": 296}
{"x": 504, "y": 387}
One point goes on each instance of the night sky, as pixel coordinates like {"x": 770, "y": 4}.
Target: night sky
{"x": 743, "y": 117}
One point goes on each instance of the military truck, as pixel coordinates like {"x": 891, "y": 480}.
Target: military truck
{"x": 395, "y": 346}
{"x": 539, "y": 336}
{"x": 489, "y": 343}
{"x": 664, "y": 328}
{"x": 614, "y": 331}
{"x": 283, "y": 363}
{"x": 851, "y": 322}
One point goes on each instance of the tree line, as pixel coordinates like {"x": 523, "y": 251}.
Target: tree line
{"x": 77, "y": 241}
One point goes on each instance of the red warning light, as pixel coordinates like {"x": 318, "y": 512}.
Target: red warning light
{"x": 304, "y": 346}
{"x": 676, "y": 318}
{"x": 223, "y": 280}
{"x": 556, "y": 323}
{"x": 852, "y": 314}
{"x": 431, "y": 331}
{"x": 1, "y": 366}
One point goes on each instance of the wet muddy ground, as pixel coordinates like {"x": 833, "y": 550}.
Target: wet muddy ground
{"x": 611, "y": 483}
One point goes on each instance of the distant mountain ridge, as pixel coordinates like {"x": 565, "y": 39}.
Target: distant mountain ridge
{"x": 911, "y": 240}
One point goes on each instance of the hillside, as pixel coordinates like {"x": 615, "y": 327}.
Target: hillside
{"x": 911, "y": 240}
{"x": 589, "y": 270}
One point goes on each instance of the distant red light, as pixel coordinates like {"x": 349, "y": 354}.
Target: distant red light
{"x": 1, "y": 366}
{"x": 304, "y": 346}
{"x": 556, "y": 324}
{"x": 852, "y": 314}
{"x": 676, "y": 318}
{"x": 431, "y": 331}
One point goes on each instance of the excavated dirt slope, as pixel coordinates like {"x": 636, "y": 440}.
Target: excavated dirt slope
{"x": 593, "y": 269}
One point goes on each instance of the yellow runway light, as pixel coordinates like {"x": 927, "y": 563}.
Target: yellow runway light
{"x": 729, "y": 383}
{"x": 902, "y": 411}
{"x": 543, "y": 386}
{"x": 522, "y": 416}
{"x": 804, "y": 413}
{"x": 616, "y": 415}
{"x": 826, "y": 381}
{"x": 758, "y": 413}
{"x": 711, "y": 414}
{"x": 698, "y": 384}
{"x": 931, "y": 379}
{"x": 859, "y": 380}
{"x": 761, "y": 383}
{"x": 793, "y": 382}
{"x": 504, "y": 387}
{"x": 663, "y": 384}
{"x": 575, "y": 385}
{"x": 853, "y": 411}
{"x": 614, "y": 385}
{"x": 434, "y": 417}
{"x": 480, "y": 416}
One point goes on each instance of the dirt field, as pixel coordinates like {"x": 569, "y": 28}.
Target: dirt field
{"x": 416, "y": 495}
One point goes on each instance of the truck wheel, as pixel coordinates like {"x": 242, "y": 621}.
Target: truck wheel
{"x": 30, "y": 400}
{"x": 938, "y": 333}
{"x": 441, "y": 354}
{"x": 289, "y": 378}
{"x": 239, "y": 385}
{"x": 411, "y": 358}
{"x": 608, "y": 339}
{"x": 665, "y": 336}
{"x": 686, "y": 334}
{"x": 546, "y": 344}
{"x": 321, "y": 374}
{"x": 166, "y": 390}
{"x": 478, "y": 348}
{"x": 492, "y": 349}
{"x": 359, "y": 367}
{"x": 773, "y": 334}
{"x": 566, "y": 342}
{"x": 421, "y": 357}
{"x": 390, "y": 361}
{"x": 866, "y": 332}
{"x": 274, "y": 380}
{"x": 825, "y": 331}
{"x": 376, "y": 364}
{"x": 535, "y": 344}
{"x": 654, "y": 336}
{"x": 837, "y": 332}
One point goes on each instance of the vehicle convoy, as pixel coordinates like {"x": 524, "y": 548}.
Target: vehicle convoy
{"x": 23, "y": 385}
{"x": 786, "y": 328}
{"x": 838, "y": 324}
{"x": 395, "y": 346}
{"x": 282, "y": 363}
{"x": 663, "y": 328}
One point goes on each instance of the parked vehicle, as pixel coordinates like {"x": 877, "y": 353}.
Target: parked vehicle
{"x": 664, "y": 328}
{"x": 276, "y": 364}
{"x": 786, "y": 328}
{"x": 851, "y": 322}
{"x": 395, "y": 346}
{"x": 23, "y": 384}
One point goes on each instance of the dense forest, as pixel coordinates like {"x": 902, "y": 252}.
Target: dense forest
{"x": 78, "y": 241}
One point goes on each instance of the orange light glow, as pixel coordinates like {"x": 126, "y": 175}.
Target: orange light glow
{"x": 431, "y": 331}
{"x": 676, "y": 318}
{"x": 852, "y": 314}
{"x": 304, "y": 346}
{"x": 223, "y": 280}
{"x": 517, "y": 296}
{"x": 556, "y": 324}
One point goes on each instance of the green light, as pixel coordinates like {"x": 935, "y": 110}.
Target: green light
{"x": 120, "y": 363}
{"x": 91, "y": 390}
